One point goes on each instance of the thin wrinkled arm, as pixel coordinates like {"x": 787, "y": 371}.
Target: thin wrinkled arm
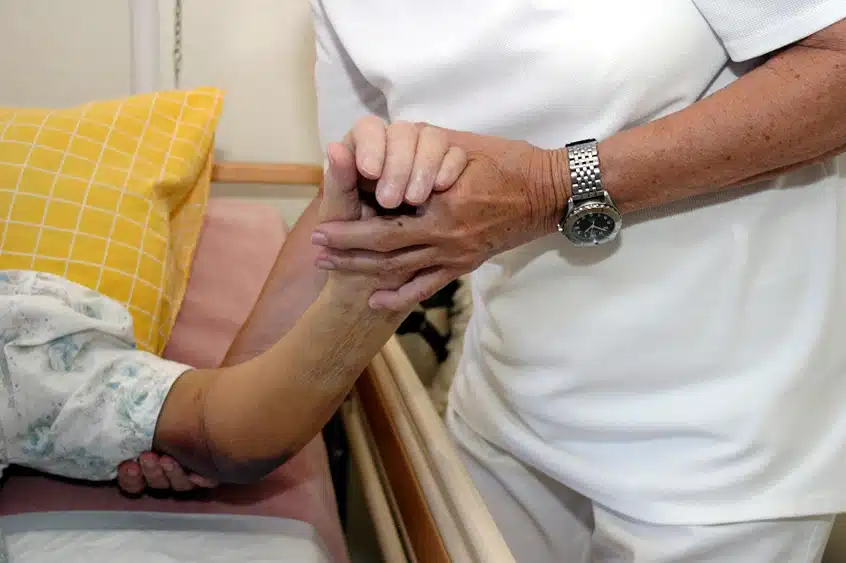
{"x": 788, "y": 113}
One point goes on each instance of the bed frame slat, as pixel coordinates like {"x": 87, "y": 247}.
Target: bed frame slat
{"x": 470, "y": 511}
{"x": 423, "y": 533}
{"x": 267, "y": 173}
{"x": 387, "y": 532}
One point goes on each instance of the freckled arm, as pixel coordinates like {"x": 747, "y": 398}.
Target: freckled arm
{"x": 786, "y": 114}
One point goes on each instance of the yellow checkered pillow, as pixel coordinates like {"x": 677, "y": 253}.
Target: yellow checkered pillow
{"x": 112, "y": 196}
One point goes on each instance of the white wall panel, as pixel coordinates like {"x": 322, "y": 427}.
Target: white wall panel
{"x": 57, "y": 52}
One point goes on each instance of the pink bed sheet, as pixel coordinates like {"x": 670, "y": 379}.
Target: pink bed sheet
{"x": 237, "y": 248}
{"x": 301, "y": 490}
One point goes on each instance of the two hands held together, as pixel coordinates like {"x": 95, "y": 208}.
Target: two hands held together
{"x": 469, "y": 198}
{"x": 472, "y": 197}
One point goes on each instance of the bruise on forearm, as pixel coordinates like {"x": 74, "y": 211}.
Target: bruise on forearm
{"x": 227, "y": 470}
{"x": 204, "y": 461}
{"x": 786, "y": 114}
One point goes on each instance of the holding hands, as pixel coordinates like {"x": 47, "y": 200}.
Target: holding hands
{"x": 379, "y": 168}
{"x": 502, "y": 194}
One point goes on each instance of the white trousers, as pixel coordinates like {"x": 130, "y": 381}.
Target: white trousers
{"x": 543, "y": 521}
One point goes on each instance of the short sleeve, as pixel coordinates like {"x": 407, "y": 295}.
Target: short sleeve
{"x": 343, "y": 94}
{"x": 751, "y": 28}
{"x": 76, "y": 397}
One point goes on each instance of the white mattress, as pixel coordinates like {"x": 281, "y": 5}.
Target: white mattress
{"x": 149, "y": 537}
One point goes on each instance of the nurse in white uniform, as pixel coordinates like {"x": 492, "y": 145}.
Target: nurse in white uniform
{"x": 654, "y": 210}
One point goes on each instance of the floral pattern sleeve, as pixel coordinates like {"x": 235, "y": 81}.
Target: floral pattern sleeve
{"x": 76, "y": 396}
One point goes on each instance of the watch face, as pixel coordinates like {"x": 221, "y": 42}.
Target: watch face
{"x": 590, "y": 223}
{"x": 594, "y": 227}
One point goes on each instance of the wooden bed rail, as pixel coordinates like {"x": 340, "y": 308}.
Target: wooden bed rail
{"x": 267, "y": 173}
{"x": 444, "y": 515}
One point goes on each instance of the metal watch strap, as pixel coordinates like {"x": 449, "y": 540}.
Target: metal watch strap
{"x": 583, "y": 160}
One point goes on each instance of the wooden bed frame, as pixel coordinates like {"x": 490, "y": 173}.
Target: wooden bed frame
{"x": 422, "y": 500}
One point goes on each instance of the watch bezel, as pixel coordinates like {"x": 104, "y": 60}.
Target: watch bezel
{"x": 577, "y": 210}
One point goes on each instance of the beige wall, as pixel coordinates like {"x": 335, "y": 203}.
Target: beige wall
{"x": 259, "y": 51}
{"x": 58, "y": 53}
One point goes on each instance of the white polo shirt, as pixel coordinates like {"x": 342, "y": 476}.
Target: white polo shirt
{"x": 695, "y": 371}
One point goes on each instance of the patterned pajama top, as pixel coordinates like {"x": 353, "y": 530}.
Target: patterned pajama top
{"x": 76, "y": 396}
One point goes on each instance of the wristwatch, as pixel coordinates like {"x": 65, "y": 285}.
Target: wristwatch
{"x": 591, "y": 218}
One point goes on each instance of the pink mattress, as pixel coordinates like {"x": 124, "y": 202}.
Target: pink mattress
{"x": 244, "y": 238}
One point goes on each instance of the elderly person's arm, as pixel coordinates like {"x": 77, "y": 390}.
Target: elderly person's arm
{"x": 787, "y": 113}
{"x": 275, "y": 312}
{"x": 78, "y": 398}
{"x": 238, "y": 423}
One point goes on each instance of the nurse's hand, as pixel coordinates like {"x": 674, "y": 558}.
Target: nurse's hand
{"x": 152, "y": 471}
{"x": 407, "y": 161}
{"x": 509, "y": 194}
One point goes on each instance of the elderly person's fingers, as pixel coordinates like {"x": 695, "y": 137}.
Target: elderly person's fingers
{"x": 202, "y": 482}
{"x": 152, "y": 471}
{"x": 175, "y": 475}
{"x": 130, "y": 478}
{"x": 404, "y": 161}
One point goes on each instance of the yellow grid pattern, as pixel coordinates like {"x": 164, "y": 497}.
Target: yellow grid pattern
{"x": 111, "y": 195}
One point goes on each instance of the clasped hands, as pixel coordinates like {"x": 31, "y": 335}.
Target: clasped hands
{"x": 471, "y": 197}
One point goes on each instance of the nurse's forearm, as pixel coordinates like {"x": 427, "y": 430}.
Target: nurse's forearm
{"x": 237, "y": 424}
{"x": 788, "y": 113}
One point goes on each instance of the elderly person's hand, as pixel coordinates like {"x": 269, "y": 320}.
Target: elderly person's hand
{"x": 158, "y": 472}
{"x": 497, "y": 203}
